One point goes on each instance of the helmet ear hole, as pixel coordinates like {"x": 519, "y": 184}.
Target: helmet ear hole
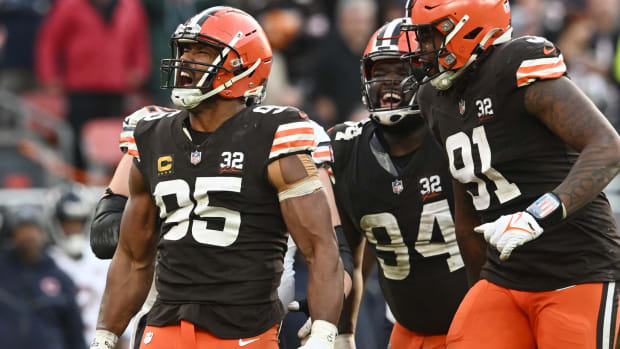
{"x": 395, "y": 118}
{"x": 472, "y": 34}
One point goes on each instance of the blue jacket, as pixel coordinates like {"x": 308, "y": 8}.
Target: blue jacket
{"x": 37, "y": 306}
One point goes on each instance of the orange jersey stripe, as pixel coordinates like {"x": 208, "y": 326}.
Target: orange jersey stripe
{"x": 534, "y": 68}
{"x": 321, "y": 154}
{"x": 127, "y": 139}
{"x": 132, "y": 152}
{"x": 293, "y": 131}
{"x": 541, "y": 76}
{"x": 292, "y": 144}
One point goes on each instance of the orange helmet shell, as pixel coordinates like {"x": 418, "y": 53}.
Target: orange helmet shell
{"x": 239, "y": 71}
{"x": 445, "y": 15}
{"x": 223, "y": 25}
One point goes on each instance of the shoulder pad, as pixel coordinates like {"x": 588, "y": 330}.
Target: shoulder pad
{"x": 294, "y": 132}
{"x": 127, "y": 142}
{"x": 531, "y": 58}
{"x": 323, "y": 152}
{"x": 272, "y": 109}
{"x": 347, "y": 130}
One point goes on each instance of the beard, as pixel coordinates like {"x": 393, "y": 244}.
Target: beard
{"x": 408, "y": 125}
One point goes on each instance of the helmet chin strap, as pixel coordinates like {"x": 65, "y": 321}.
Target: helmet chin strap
{"x": 446, "y": 79}
{"x": 189, "y": 98}
{"x": 384, "y": 117}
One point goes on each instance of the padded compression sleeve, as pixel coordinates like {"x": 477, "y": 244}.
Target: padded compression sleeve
{"x": 345, "y": 252}
{"x": 106, "y": 225}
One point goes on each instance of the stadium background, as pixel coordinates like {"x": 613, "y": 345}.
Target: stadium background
{"x": 317, "y": 46}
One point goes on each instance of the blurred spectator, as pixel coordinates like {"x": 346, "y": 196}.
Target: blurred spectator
{"x": 37, "y": 299}
{"x": 337, "y": 93}
{"x": 576, "y": 41}
{"x": 391, "y": 9}
{"x": 164, "y": 16}
{"x": 527, "y": 17}
{"x": 19, "y": 22}
{"x": 281, "y": 27}
{"x": 95, "y": 51}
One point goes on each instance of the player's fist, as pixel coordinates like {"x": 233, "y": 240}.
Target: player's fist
{"x": 508, "y": 232}
{"x": 322, "y": 336}
{"x": 304, "y": 331}
{"x": 104, "y": 339}
{"x": 345, "y": 341}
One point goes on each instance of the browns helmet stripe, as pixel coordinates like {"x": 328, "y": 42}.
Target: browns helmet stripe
{"x": 388, "y": 35}
{"x": 200, "y": 18}
{"x": 395, "y": 34}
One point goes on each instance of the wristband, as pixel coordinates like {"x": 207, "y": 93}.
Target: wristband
{"x": 548, "y": 210}
{"x": 104, "y": 339}
{"x": 324, "y": 331}
{"x": 345, "y": 340}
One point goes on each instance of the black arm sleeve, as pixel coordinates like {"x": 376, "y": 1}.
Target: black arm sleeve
{"x": 106, "y": 226}
{"x": 345, "y": 251}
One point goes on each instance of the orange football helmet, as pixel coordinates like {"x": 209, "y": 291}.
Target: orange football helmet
{"x": 390, "y": 99}
{"x": 240, "y": 70}
{"x": 468, "y": 28}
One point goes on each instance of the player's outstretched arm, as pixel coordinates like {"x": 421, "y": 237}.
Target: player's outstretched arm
{"x": 131, "y": 270}
{"x": 307, "y": 216}
{"x": 105, "y": 227}
{"x": 471, "y": 245}
{"x": 568, "y": 113}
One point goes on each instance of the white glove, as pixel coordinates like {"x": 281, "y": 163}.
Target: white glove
{"x": 345, "y": 341}
{"x": 304, "y": 331}
{"x": 104, "y": 339}
{"x": 508, "y": 232}
{"x": 322, "y": 336}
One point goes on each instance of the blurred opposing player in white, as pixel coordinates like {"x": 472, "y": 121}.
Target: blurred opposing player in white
{"x": 70, "y": 212}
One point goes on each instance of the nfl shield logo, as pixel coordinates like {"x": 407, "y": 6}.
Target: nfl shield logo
{"x": 148, "y": 337}
{"x": 462, "y": 107}
{"x": 195, "y": 157}
{"x": 397, "y": 186}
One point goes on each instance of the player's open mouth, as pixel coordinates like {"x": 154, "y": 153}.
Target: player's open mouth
{"x": 390, "y": 99}
{"x": 185, "y": 78}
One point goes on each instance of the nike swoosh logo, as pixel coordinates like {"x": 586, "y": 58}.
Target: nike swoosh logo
{"x": 510, "y": 227}
{"x": 243, "y": 343}
{"x": 548, "y": 50}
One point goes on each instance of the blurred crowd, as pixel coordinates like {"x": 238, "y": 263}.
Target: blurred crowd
{"x": 70, "y": 70}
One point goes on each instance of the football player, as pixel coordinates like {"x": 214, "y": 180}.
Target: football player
{"x": 106, "y": 223}
{"x": 227, "y": 179}
{"x": 530, "y": 154}
{"x": 393, "y": 190}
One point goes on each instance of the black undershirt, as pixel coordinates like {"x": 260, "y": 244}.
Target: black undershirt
{"x": 400, "y": 162}
{"x": 198, "y": 137}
